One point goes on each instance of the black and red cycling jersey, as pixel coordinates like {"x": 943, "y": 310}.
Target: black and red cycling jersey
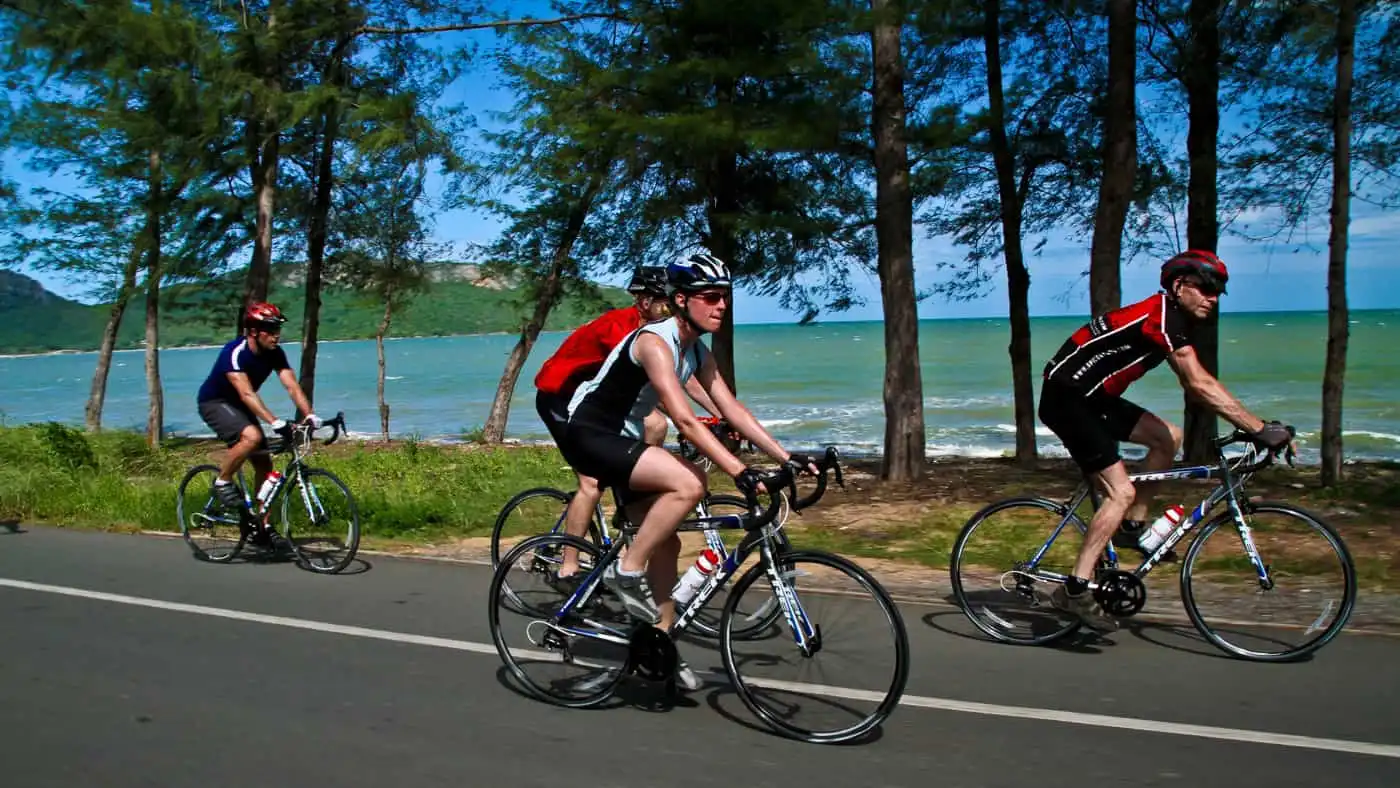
{"x": 1111, "y": 351}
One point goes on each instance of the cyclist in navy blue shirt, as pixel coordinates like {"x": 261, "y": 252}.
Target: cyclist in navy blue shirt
{"x": 229, "y": 401}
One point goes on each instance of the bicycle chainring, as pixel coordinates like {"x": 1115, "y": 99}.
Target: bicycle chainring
{"x": 1121, "y": 594}
{"x": 652, "y": 654}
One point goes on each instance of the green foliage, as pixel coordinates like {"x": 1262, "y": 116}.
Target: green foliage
{"x": 409, "y": 490}
{"x": 452, "y": 307}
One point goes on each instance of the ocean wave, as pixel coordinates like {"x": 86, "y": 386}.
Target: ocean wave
{"x": 1380, "y": 436}
{"x": 1040, "y": 429}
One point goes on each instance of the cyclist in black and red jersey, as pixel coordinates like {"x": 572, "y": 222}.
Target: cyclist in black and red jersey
{"x": 1081, "y": 402}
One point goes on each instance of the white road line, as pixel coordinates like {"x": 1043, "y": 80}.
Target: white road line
{"x": 916, "y": 701}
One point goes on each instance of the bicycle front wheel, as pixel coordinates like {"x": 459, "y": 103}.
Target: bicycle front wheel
{"x": 1304, "y": 602}
{"x": 835, "y": 666}
{"x": 321, "y": 521}
{"x": 213, "y": 531}
{"x": 1002, "y": 565}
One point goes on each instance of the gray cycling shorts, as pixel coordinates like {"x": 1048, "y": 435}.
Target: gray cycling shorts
{"x": 228, "y": 420}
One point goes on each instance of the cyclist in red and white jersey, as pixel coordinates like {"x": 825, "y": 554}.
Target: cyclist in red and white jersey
{"x": 1081, "y": 402}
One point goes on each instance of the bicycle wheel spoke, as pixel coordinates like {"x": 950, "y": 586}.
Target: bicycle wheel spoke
{"x": 845, "y": 679}
{"x": 997, "y": 579}
{"x": 1305, "y": 601}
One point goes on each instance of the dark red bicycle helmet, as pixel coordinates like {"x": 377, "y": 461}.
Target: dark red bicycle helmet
{"x": 1203, "y": 264}
{"x": 261, "y": 313}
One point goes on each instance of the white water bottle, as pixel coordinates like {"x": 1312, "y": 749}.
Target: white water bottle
{"x": 1153, "y": 536}
{"x": 694, "y": 577}
{"x": 269, "y": 484}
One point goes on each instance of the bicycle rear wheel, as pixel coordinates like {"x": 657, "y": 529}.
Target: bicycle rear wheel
{"x": 214, "y": 532}
{"x": 852, "y": 673}
{"x": 321, "y": 521}
{"x": 575, "y": 662}
{"x": 1306, "y": 602}
{"x": 533, "y": 512}
{"x": 998, "y": 579}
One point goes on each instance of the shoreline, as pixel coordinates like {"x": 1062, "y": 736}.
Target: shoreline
{"x": 793, "y": 323}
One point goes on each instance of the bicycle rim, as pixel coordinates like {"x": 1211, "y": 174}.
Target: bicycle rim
{"x": 555, "y": 661}
{"x": 845, "y": 686}
{"x": 993, "y": 580}
{"x": 1312, "y": 584}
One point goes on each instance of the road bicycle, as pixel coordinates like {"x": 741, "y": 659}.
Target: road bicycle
{"x": 311, "y": 509}
{"x": 1263, "y": 580}
{"x": 572, "y": 646}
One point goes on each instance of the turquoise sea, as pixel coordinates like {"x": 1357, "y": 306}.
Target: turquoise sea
{"x": 810, "y": 385}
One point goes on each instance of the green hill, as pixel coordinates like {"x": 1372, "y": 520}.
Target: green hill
{"x": 457, "y": 302}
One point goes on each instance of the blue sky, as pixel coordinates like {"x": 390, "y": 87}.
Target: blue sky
{"x": 1263, "y": 277}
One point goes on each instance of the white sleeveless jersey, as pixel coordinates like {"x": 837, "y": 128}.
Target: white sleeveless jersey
{"x": 620, "y": 397}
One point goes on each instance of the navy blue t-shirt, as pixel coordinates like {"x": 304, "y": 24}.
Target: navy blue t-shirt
{"x": 236, "y": 356}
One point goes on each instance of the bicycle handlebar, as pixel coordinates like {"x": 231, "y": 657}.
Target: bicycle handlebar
{"x": 785, "y": 478}
{"x": 830, "y": 461}
{"x": 293, "y": 430}
{"x": 1267, "y": 458}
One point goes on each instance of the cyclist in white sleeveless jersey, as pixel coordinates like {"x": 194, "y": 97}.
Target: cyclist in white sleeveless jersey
{"x": 659, "y": 489}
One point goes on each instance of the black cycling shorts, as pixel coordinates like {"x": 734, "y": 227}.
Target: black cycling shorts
{"x": 1089, "y": 427}
{"x": 606, "y": 456}
{"x": 228, "y": 420}
{"x": 554, "y": 412}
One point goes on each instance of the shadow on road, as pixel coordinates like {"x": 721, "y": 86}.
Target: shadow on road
{"x": 10, "y": 527}
{"x": 636, "y": 693}
{"x": 953, "y": 622}
{"x": 726, "y": 703}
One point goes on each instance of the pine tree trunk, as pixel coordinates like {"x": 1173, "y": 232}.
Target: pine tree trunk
{"x": 264, "y": 141}
{"x": 155, "y": 418}
{"x": 1120, "y": 159}
{"x": 320, "y": 220}
{"x": 550, "y": 289}
{"x": 1018, "y": 278}
{"x": 894, "y": 228}
{"x": 97, "y": 397}
{"x": 1338, "y": 314}
{"x": 1202, "y": 77}
{"x": 721, "y": 216}
{"x": 316, "y": 251}
{"x": 264, "y": 195}
{"x": 379, "y": 345}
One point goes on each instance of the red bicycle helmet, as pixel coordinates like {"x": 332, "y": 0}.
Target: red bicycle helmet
{"x": 261, "y": 313}
{"x": 1204, "y": 264}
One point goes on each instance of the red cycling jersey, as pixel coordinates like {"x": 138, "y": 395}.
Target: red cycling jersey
{"x": 1115, "y": 349}
{"x": 585, "y": 350}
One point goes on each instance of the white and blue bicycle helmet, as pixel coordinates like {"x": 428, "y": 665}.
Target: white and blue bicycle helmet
{"x": 698, "y": 272}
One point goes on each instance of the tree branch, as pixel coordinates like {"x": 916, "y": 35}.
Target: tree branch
{"x": 404, "y": 31}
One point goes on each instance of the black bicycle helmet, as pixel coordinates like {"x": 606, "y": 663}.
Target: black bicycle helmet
{"x": 648, "y": 280}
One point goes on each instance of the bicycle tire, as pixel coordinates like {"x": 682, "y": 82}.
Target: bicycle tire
{"x": 184, "y": 510}
{"x": 595, "y": 531}
{"x": 821, "y": 694}
{"x": 315, "y": 559}
{"x": 501, "y": 596}
{"x": 1043, "y": 624}
{"x": 1191, "y": 595}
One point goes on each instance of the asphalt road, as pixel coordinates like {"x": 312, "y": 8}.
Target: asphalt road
{"x": 124, "y": 662}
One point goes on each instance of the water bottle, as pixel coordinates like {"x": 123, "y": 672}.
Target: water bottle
{"x": 1153, "y": 536}
{"x": 694, "y": 577}
{"x": 265, "y": 491}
